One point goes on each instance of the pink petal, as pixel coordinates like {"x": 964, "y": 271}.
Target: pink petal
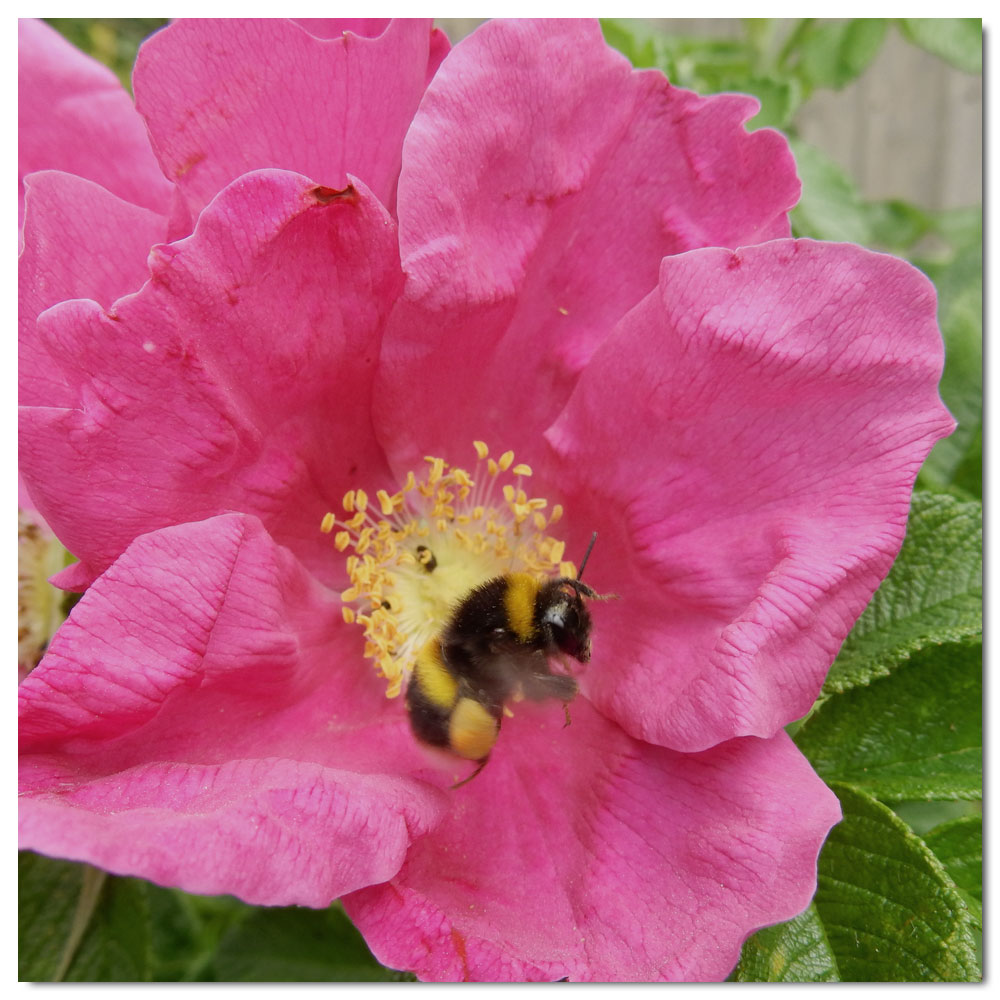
{"x": 205, "y": 720}
{"x": 372, "y": 27}
{"x": 746, "y": 443}
{"x": 80, "y": 242}
{"x": 223, "y": 97}
{"x": 543, "y": 180}
{"x": 334, "y": 27}
{"x": 580, "y": 852}
{"x": 25, "y": 503}
{"x": 238, "y": 378}
{"x": 74, "y": 115}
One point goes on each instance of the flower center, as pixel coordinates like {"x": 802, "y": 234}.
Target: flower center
{"x": 438, "y": 537}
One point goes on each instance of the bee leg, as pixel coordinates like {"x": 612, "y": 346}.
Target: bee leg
{"x": 465, "y": 781}
{"x": 566, "y": 710}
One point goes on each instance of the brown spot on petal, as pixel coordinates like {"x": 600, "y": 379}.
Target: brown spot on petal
{"x": 324, "y": 195}
{"x": 191, "y": 161}
{"x": 459, "y": 943}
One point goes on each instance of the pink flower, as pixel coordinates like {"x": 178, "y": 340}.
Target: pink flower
{"x": 358, "y": 262}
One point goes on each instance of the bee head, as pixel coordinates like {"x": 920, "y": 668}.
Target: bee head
{"x": 564, "y": 618}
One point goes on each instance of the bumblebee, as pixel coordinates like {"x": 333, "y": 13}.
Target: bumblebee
{"x": 495, "y": 648}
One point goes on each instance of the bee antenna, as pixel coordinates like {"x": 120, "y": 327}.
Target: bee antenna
{"x": 586, "y": 555}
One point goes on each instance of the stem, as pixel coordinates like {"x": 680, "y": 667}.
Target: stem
{"x": 90, "y": 892}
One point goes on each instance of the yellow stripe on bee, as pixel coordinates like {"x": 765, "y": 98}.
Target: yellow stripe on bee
{"x": 432, "y": 676}
{"x": 472, "y": 731}
{"x": 519, "y": 603}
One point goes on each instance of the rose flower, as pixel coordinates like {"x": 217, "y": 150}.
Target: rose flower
{"x": 334, "y": 325}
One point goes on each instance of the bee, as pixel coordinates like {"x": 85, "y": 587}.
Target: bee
{"x": 496, "y": 648}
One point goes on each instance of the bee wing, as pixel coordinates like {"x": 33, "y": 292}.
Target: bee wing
{"x": 539, "y": 686}
{"x": 526, "y": 672}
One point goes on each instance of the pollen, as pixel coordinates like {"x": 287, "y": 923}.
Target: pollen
{"x": 413, "y": 555}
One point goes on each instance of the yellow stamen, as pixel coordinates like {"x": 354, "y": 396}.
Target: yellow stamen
{"x": 437, "y": 539}
{"x": 385, "y": 502}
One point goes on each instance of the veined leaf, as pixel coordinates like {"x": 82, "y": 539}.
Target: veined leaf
{"x": 885, "y": 910}
{"x": 958, "y": 845}
{"x": 890, "y": 911}
{"x": 793, "y": 952}
{"x": 916, "y": 734}
{"x": 932, "y": 595}
{"x": 64, "y": 935}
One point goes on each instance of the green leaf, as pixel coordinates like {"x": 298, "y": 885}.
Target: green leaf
{"x": 78, "y": 925}
{"x": 291, "y": 944}
{"x": 957, "y": 40}
{"x": 885, "y": 910}
{"x": 830, "y": 207}
{"x": 897, "y": 225}
{"x": 179, "y": 946}
{"x": 48, "y": 892}
{"x": 922, "y": 816}
{"x": 833, "y": 54}
{"x": 932, "y": 595}
{"x": 890, "y": 911}
{"x": 779, "y": 99}
{"x": 968, "y": 474}
{"x": 712, "y": 65}
{"x": 794, "y": 952}
{"x": 960, "y": 312}
{"x": 958, "y": 845}
{"x": 635, "y": 45}
{"x": 916, "y": 734}
{"x": 961, "y": 227}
